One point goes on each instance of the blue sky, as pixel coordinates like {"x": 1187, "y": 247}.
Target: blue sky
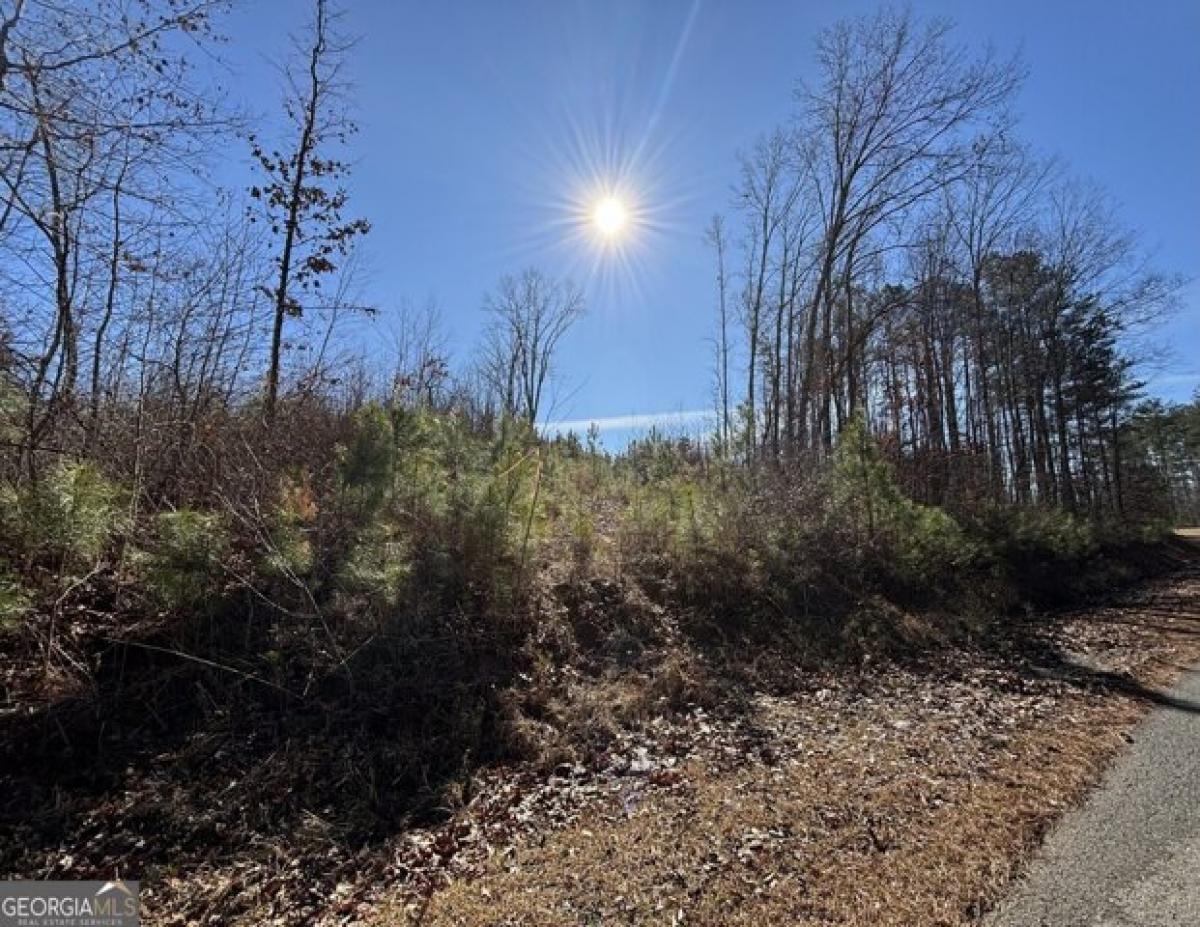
{"x": 484, "y": 123}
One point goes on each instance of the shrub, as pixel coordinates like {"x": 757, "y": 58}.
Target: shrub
{"x": 929, "y": 546}
{"x": 184, "y": 565}
{"x": 15, "y": 601}
{"x": 10, "y": 410}
{"x": 583, "y": 538}
{"x": 378, "y": 566}
{"x": 68, "y": 518}
{"x": 670, "y": 516}
{"x": 290, "y": 550}
{"x": 1018, "y": 535}
{"x": 917, "y": 544}
{"x": 369, "y": 459}
{"x": 1048, "y": 557}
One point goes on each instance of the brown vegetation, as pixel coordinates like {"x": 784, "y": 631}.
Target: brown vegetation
{"x": 897, "y": 795}
{"x": 282, "y": 624}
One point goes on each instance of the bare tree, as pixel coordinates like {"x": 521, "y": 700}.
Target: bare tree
{"x": 715, "y": 236}
{"x": 767, "y": 195}
{"x": 418, "y": 351}
{"x": 529, "y": 315}
{"x": 301, "y": 195}
{"x": 881, "y": 131}
{"x": 96, "y": 106}
{"x": 996, "y": 196}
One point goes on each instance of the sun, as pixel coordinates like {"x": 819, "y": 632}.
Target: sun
{"x": 610, "y": 217}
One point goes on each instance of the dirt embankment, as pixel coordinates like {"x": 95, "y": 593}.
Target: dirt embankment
{"x": 905, "y": 796}
{"x": 889, "y": 793}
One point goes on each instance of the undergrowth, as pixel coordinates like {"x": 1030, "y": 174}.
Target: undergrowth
{"x": 428, "y": 594}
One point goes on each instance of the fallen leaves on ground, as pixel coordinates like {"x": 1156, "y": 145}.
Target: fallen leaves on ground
{"x": 902, "y": 796}
{"x": 891, "y": 794}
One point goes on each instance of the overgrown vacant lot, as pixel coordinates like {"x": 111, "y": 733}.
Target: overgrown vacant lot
{"x": 426, "y": 652}
{"x": 902, "y": 789}
{"x": 314, "y": 611}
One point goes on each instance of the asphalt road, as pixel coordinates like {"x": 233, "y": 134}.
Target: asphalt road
{"x": 1131, "y": 856}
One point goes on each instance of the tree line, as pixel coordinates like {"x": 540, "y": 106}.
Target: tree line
{"x": 895, "y": 254}
{"x": 143, "y": 304}
{"x": 898, "y": 254}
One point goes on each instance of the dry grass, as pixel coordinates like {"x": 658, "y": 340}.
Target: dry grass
{"x": 910, "y": 800}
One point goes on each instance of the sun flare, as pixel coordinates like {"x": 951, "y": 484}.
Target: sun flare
{"x": 610, "y": 217}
